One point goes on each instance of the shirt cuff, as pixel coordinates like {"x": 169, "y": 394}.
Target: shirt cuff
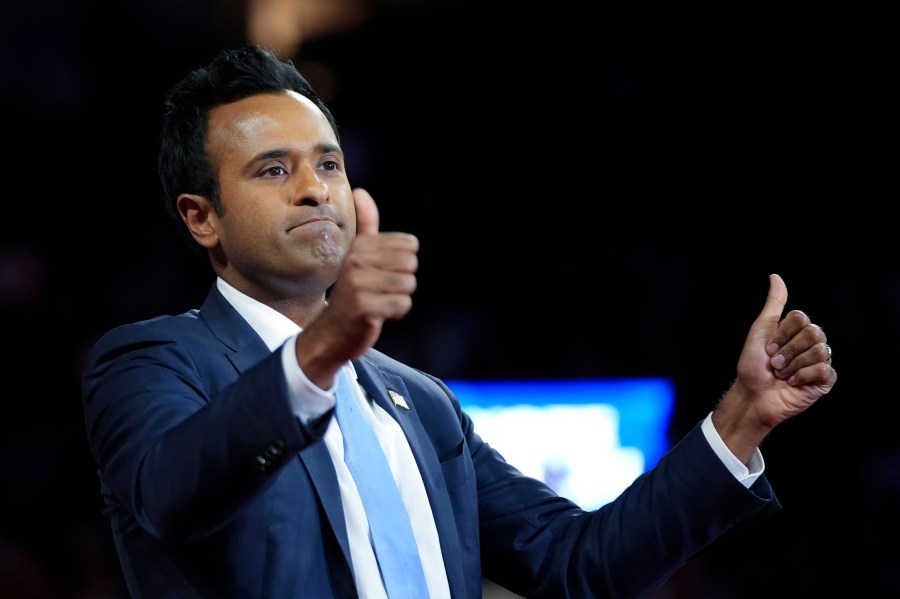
{"x": 746, "y": 474}
{"x": 307, "y": 400}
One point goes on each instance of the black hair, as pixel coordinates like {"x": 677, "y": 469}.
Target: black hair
{"x": 234, "y": 74}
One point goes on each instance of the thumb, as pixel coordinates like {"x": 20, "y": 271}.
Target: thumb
{"x": 366, "y": 212}
{"x": 775, "y": 301}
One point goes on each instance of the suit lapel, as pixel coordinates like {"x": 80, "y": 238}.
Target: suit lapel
{"x": 390, "y": 392}
{"x": 244, "y": 349}
{"x": 245, "y": 345}
{"x": 318, "y": 464}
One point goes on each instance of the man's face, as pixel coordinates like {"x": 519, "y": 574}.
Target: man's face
{"x": 287, "y": 209}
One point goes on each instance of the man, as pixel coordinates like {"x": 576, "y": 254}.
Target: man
{"x": 220, "y": 457}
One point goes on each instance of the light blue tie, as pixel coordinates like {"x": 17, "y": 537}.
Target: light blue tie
{"x": 392, "y": 535}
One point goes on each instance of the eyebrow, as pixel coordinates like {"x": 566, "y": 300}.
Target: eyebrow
{"x": 326, "y": 148}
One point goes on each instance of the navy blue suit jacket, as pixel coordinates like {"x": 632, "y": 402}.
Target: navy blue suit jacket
{"x": 214, "y": 488}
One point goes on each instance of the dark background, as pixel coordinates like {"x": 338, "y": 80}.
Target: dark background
{"x": 598, "y": 193}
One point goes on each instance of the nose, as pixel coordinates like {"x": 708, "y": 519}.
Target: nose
{"x": 311, "y": 189}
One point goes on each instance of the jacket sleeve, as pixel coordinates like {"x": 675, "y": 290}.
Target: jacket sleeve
{"x": 540, "y": 545}
{"x": 182, "y": 438}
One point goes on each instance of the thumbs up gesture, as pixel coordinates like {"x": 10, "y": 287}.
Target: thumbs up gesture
{"x": 784, "y": 367}
{"x": 375, "y": 283}
{"x": 379, "y": 272}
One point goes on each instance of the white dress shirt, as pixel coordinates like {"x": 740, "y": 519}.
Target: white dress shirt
{"x": 310, "y": 401}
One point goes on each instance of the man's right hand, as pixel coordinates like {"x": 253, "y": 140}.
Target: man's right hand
{"x": 375, "y": 283}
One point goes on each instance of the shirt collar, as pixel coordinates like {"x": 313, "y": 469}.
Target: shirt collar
{"x": 274, "y": 327}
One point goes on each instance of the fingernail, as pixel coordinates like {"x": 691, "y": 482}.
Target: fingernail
{"x": 773, "y": 347}
{"x": 778, "y": 361}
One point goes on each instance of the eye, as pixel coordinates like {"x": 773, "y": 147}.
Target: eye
{"x": 274, "y": 171}
{"x": 330, "y": 165}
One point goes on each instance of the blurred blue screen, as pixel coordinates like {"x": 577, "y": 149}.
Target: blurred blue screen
{"x": 587, "y": 438}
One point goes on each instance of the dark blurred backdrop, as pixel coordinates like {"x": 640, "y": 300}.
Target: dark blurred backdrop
{"x": 598, "y": 193}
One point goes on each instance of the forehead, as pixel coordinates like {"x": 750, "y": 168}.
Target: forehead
{"x": 280, "y": 118}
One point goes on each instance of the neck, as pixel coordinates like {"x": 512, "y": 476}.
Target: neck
{"x": 300, "y": 310}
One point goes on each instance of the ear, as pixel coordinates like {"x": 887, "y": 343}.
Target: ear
{"x": 200, "y": 218}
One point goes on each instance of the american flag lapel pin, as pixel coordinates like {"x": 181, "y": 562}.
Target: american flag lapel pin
{"x": 398, "y": 399}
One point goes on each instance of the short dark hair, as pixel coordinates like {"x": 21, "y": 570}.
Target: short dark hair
{"x": 234, "y": 74}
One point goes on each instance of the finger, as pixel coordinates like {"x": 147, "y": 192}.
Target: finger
{"x": 766, "y": 323}
{"x": 366, "y": 212}
{"x": 775, "y": 301}
{"x": 805, "y": 341}
{"x": 819, "y": 374}
{"x": 802, "y": 351}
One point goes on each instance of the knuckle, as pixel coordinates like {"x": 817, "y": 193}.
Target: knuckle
{"x": 818, "y": 334}
{"x": 800, "y": 316}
